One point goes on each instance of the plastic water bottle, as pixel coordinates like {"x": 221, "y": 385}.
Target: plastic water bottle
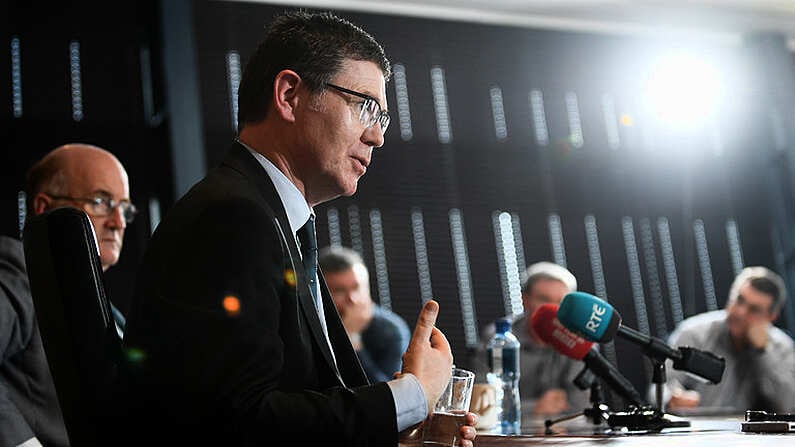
{"x": 503, "y": 375}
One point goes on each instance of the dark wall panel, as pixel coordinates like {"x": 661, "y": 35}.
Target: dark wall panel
{"x": 649, "y": 175}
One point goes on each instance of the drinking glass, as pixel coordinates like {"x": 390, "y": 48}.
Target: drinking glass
{"x": 443, "y": 428}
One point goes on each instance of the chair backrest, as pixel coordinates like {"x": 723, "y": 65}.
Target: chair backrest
{"x": 75, "y": 321}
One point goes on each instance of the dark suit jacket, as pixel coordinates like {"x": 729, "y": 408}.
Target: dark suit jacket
{"x": 28, "y": 402}
{"x": 203, "y": 372}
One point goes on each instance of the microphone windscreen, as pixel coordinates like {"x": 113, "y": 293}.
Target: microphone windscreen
{"x": 546, "y": 325}
{"x": 589, "y": 316}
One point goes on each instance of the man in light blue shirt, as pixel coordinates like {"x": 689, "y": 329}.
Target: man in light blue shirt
{"x": 760, "y": 358}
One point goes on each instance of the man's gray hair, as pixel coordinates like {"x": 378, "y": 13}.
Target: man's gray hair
{"x": 764, "y": 280}
{"x": 336, "y": 259}
{"x": 547, "y": 270}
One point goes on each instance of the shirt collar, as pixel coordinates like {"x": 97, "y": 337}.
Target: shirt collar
{"x": 298, "y": 211}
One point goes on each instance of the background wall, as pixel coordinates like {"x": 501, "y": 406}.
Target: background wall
{"x": 507, "y": 146}
{"x": 463, "y": 195}
{"x": 68, "y": 77}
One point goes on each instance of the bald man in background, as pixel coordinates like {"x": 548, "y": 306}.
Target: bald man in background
{"x": 80, "y": 176}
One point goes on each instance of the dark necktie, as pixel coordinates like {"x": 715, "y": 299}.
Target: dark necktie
{"x": 308, "y": 240}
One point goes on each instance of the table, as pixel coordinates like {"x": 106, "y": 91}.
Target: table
{"x": 703, "y": 432}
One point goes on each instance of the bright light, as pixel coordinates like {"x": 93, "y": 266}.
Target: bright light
{"x": 683, "y": 91}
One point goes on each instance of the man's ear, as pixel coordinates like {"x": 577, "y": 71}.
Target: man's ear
{"x": 41, "y": 203}
{"x": 285, "y": 94}
{"x": 525, "y": 299}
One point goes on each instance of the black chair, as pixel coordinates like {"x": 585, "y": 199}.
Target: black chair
{"x": 77, "y": 328}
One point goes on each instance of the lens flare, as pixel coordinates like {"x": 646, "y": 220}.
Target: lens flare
{"x": 231, "y": 305}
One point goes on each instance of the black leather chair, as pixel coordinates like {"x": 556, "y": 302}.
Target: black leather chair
{"x": 77, "y": 328}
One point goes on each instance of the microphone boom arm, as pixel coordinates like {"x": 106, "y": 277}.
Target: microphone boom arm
{"x": 701, "y": 363}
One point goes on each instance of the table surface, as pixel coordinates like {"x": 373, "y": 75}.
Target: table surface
{"x": 703, "y": 432}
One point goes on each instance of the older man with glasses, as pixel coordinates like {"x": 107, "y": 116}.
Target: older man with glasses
{"x": 760, "y": 358}
{"x": 80, "y": 176}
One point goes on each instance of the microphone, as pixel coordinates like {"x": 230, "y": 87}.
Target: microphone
{"x": 596, "y": 320}
{"x": 546, "y": 325}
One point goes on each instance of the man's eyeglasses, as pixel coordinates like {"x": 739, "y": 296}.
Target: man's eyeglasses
{"x": 369, "y": 110}
{"x": 103, "y": 206}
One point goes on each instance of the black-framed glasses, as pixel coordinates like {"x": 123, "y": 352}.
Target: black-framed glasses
{"x": 103, "y": 206}
{"x": 369, "y": 110}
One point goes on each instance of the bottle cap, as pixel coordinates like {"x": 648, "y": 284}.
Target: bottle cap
{"x": 503, "y": 325}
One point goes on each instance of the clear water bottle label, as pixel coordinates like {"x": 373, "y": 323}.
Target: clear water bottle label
{"x": 495, "y": 360}
{"x": 510, "y": 361}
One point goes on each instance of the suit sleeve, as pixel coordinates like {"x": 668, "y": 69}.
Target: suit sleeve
{"x": 224, "y": 308}
{"x": 14, "y": 336}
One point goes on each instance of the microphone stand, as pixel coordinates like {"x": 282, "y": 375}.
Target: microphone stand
{"x": 649, "y": 419}
{"x": 598, "y": 413}
{"x": 635, "y": 419}
{"x": 685, "y": 358}
{"x": 658, "y": 379}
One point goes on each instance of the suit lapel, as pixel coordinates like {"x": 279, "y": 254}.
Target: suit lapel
{"x": 347, "y": 360}
{"x": 242, "y": 161}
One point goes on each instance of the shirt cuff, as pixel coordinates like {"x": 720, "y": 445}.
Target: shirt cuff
{"x": 32, "y": 442}
{"x": 410, "y": 404}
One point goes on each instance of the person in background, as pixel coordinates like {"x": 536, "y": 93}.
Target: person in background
{"x": 378, "y": 336}
{"x": 80, "y": 176}
{"x": 760, "y": 358}
{"x": 546, "y": 383}
{"x": 239, "y": 338}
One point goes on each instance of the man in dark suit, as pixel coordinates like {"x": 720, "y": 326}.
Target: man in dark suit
{"x": 378, "y": 335}
{"x": 233, "y": 337}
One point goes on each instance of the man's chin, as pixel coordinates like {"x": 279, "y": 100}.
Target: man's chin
{"x": 109, "y": 255}
{"x": 350, "y": 189}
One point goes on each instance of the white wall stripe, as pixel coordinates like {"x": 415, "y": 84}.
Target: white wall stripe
{"x": 355, "y": 226}
{"x": 635, "y": 278}
{"x": 76, "y": 81}
{"x": 735, "y": 248}
{"x": 595, "y": 256}
{"x": 705, "y": 265}
{"x": 498, "y": 113}
{"x": 506, "y": 260}
{"x": 611, "y": 122}
{"x": 518, "y": 242}
{"x": 334, "y": 233}
{"x": 539, "y": 117}
{"x": 556, "y": 238}
{"x": 379, "y": 258}
{"x": 575, "y": 125}
{"x": 16, "y": 76}
{"x": 402, "y": 95}
{"x": 464, "y": 277}
{"x": 443, "y": 127}
{"x": 233, "y": 76}
{"x": 655, "y": 289}
{"x": 669, "y": 266}
{"x": 421, "y": 252}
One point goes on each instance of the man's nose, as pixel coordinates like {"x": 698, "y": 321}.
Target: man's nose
{"x": 373, "y": 136}
{"x": 350, "y": 297}
{"x": 740, "y": 310}
{"x": 116, "y": 219}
